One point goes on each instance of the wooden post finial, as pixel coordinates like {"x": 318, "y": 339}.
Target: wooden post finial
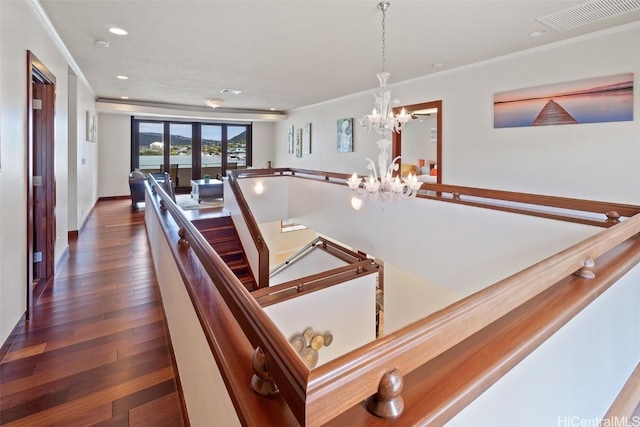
{"x": 183, "y": 240}
{"x": 262, "y": 381}
{"x": 586, "y": 272}
{"x": 613, "y": 217}
{"x": 388, "y": 402}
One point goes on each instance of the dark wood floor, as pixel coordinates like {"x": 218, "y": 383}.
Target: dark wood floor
{"x": 96, "y": 351}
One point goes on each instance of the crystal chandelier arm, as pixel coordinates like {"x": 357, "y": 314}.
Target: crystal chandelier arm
{"x": 372, "y": 167}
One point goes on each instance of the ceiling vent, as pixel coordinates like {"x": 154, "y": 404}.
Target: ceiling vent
{"x": 587, "y": 13}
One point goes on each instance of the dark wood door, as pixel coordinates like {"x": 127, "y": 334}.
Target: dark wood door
{"x": 43, "y": 181}
{"x": 40, "y": 179}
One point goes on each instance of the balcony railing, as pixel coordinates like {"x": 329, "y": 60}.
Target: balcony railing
{"x": 376, "y": 371}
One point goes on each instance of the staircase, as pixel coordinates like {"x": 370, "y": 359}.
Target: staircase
{"x": 223, "y": 238}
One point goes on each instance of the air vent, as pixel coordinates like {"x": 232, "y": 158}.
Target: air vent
{"x": 587, "y": 13}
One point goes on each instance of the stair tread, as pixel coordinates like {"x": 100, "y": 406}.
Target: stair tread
{"x": 237, "y": 263}
{"x": 223, "y": 227}
{"x": 223, "y": 239}
{"x": 231, "y": 252}
{"x": 222, "y": 232}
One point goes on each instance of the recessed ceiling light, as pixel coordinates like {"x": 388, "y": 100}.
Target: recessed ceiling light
{"x": 102, "y": 43}
{"x": 437, "y": 65}
{"x": 213, "y": 102}
{"x": 118, "y": 31}
{"x": 124, "y": 97}
{"x": 233, "y": 91}
{"x": 538, "y": 33}
{"x": 123, "y": 77}
{"x": 272, "y": 109}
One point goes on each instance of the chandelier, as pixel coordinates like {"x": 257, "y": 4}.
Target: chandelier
{"x": 382, "y": 186}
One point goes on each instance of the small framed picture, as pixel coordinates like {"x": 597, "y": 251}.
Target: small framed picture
{"x": 345, "y": 135}
{"x": 91, "y": 126}
{"x": 290, "y": 140}
{"x": 306, "y": 138}
{"x": 298, "y": 142}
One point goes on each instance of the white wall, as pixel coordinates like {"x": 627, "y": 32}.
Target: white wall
{"x": 314, "y": 262}
{"x": 346, "y": 310}
{"x": 204, "y": 390}
{"x": 453, "y": 246}
{"x": 593, "y": 161}
{"x": 83, "y": 155}
{"x": 408, "y": 298}
{"x": 263, "y": 147}
{"x": 281, "y": 245}
{"x": 270, "y": 205}
{"x": 114, "y": 154}
{"x": 22, "y": 29}
{"x": 575, "y": 373}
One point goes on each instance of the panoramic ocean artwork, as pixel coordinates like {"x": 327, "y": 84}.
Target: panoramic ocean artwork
{"x": 602, "y": 99}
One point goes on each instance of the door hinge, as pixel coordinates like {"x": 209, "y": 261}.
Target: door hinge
{"x": 37, "y": 257}
{"x": 37, "y": 104}
{"x": 37, "y": 180}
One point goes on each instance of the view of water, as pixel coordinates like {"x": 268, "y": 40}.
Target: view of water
{"x": 606, "y": 106}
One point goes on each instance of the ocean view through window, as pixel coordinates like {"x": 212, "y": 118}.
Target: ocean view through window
{"x": 194, "y": 149}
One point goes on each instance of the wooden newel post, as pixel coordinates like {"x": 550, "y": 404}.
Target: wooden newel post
{"x": 262, "y": 381}
{"x": 388, "y": 402}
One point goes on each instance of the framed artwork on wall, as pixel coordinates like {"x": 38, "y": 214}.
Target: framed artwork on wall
{"x": 595, "y": 100}
{"x": 91, "y": 126}
{"x": 290, "y": 140}
{"x": 306, "y": 138}
{"x": 298, "y": 142}
{"x": 345, "y": 135}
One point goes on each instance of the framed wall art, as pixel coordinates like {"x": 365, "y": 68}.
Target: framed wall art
{"x": 345, "y": 135}
{"x": 290, "y": 140}
{"x": 91, "y": 126}
{"x": 298, "y": 142}
{"x": 306, "y": 138}
{"x": 600, "y": 99}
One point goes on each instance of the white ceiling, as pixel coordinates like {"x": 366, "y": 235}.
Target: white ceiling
{"x": 289, "y": 53}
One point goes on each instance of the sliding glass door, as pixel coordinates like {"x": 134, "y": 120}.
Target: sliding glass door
{"x": 194, "y": 149}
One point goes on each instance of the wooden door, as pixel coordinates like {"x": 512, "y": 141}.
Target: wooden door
{"x": 41, "y": 194}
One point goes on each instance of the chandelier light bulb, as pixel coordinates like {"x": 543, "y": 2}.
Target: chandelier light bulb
{"x": 356, "y": 203}
{"x": 259, "y": 187}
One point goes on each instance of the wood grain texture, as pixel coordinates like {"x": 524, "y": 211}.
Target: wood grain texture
{"x": 96, "y": 349}
{"x": 627, "y": 403}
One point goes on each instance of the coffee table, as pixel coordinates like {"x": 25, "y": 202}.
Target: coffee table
{"x": 203, "y": 190}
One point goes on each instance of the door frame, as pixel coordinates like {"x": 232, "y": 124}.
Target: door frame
{"x": 38, "y": 73}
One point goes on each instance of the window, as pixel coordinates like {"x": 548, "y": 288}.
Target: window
{"x": 195, "y": 149}
{"x": 151, "y": 147}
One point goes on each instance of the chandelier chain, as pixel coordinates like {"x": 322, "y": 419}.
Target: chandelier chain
{"x": 383, "y": 7}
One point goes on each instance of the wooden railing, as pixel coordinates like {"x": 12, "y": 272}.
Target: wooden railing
{"x": 314, "y": 282}
{"x": 262, "y": 276}
{"x": 318, "y": 396}
{"x": 521, "y": 203}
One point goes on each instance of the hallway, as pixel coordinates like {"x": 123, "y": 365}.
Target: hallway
{"x": 96, "y": 351}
